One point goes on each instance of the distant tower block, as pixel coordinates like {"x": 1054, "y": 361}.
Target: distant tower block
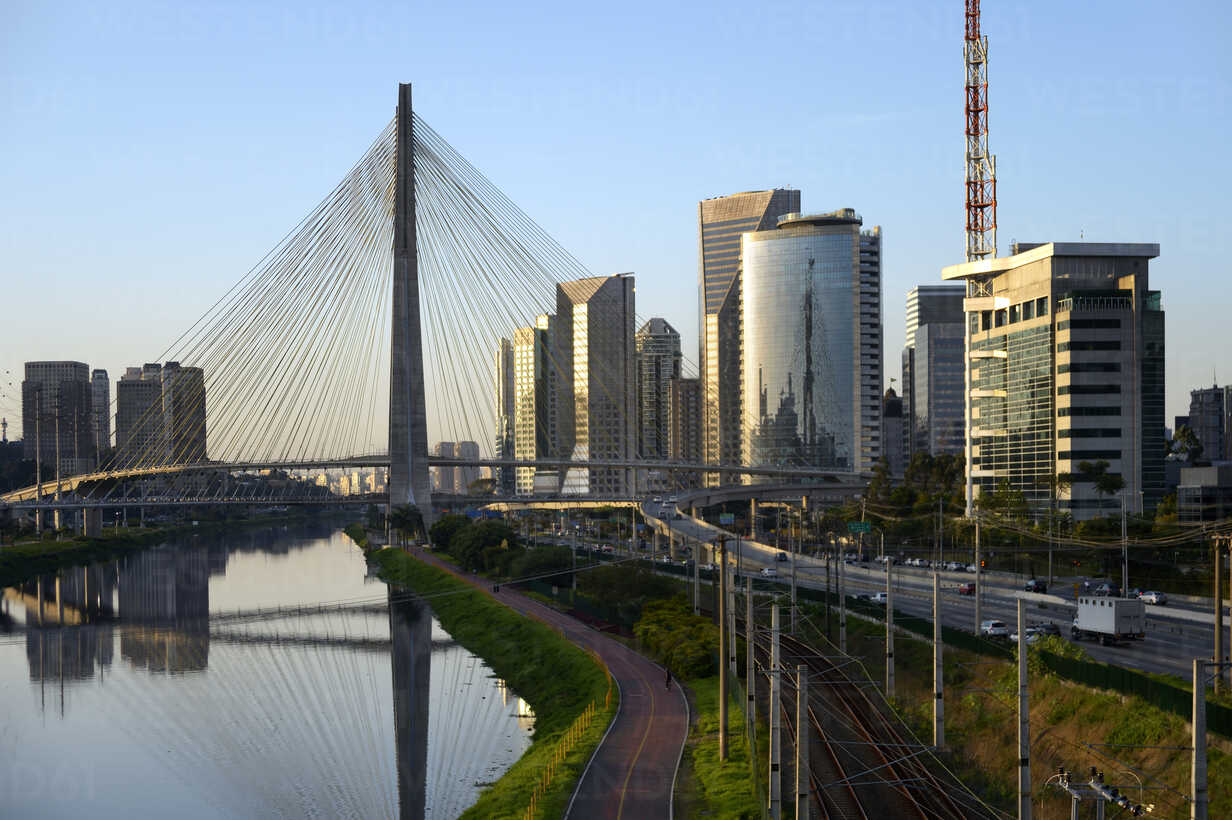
{"x": 408, "y": 417}
{"x": 981, "y": 165}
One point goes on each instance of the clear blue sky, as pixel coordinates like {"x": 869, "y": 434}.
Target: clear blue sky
{"x": 151, "y": 152}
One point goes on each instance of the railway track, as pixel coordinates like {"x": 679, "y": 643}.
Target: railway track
{"x": 862, "y": 764}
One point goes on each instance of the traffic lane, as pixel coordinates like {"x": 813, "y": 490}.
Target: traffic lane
{"x": 1165, "y": 649}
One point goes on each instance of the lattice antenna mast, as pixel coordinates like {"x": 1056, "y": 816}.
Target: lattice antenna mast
{"x": 981, "y": 165}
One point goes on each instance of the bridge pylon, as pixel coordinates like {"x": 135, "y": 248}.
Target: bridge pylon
{"x": 408, "y": 416}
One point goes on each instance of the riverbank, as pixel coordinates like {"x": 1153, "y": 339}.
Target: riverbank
{"x": 22, "y": 561}
{"x": 558, "y": 680}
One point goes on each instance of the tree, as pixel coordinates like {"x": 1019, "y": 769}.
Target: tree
{"x": 481, "y": 486}
{"x": 1096, "y": 473}
{"x": 407, "y": 520}
{"x": 443, "y": 531}
{"x": 1185, "y": 442}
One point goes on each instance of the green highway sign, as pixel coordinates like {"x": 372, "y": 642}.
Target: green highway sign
{"x": 727, "y": 518}
{"x": 859, "y": 526}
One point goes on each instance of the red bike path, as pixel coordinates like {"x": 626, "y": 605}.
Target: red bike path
{"x": 632, "y": 774}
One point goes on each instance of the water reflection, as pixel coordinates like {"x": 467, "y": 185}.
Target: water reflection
{"x": 155, "y": 663}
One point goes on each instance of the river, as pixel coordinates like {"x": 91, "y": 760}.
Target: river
{"x": 162, "y": 684}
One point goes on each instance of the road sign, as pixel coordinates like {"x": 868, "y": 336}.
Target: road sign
{"x": 859, "y": 526}
{"x": 727, "y": 518}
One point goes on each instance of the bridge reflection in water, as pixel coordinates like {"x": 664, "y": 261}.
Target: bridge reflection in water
{"x": 255, "y": 713}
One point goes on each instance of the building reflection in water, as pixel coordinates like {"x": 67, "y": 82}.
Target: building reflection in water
{"x": 410, "y": 630}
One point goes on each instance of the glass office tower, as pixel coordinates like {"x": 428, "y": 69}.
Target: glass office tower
{"x": 811, "y": 358}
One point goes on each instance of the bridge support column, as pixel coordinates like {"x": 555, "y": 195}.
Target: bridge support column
{"x": 408, "y": 417}
{"x": 753, "y": 519}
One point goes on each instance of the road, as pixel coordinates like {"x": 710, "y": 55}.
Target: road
{"x": 1175, "y": 634}
{"x": 632, "y": 774}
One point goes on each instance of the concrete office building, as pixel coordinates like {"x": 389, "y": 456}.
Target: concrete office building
{"x": 685, "y": 430}
{"x": 56, "y": 409}
{"x": 504, "y": 372}
{"x": 1210, "y": 418}
{"x": 466, "y": 476}
{"x": 184, "y": 414}
{"x": 720, "y": 223}
{"x": 1065, "y": 365}
{"x": 811, "y": 359}
{"x": 140, "y": 434}
{"x": 893, "y": 437}
{"x": 100, "y": 404}
{"x": 933, "y": 371}
{"x": 534, "y": 401}
{"x": 597, "y": 411}
{"x": 657, "y": 346}
{"x": 444, "y": 479}
{"x": 1204, "y": 494}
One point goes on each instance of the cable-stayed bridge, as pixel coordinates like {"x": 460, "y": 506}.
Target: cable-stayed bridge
{"x": 369, "y": 328}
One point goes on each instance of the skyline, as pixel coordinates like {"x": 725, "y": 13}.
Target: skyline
{"x": 204, "y": 164}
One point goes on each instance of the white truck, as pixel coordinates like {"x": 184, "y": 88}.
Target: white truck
{"x": 1109, "y": 619}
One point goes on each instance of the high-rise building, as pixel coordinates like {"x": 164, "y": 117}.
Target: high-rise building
{"x": 597, "y": 411}
{"x": 466, "y": 476}
{"x": 1210, "y": 418}
{"x": 100, "y": 404}
{"x": 533, "y": 400}
{"x": 720, "y": 223}
{"x": 892, "y": 436}
{"x": 685, "y": 436}
{"x": 445, "y": 479}
{"x": 1065, "y": 367}
{"x": 140, "y": 434}
{"x": 56, "y": 409}
{"x": 184, "y": 414}
{"x": 657, "y": 345}
{"x": 933, "y": 371}
{"x": 812, "y": 362}
{"x": 504, "y": 414}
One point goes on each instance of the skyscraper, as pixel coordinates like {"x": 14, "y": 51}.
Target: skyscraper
{"x": 685, "y": 438}
{"x": 100, "y": 404}
{"x": 1210, "y": 418}
{"x": 933, "y": 371}
{"x": 893, "y": 437}
{"x": 812, "y": 372}
{"x": 466, "y": 476}
{"x": 56, "y": 409}
{"x": 504, "y": 414}
{"x": 140, "y": 434}
{"x": 597, "y": 411}
{"x": 184, "y": 414}
{"x": 533, "y": 401}
{"x": 446, "y": 478}
{"x": 1065, "y": 366}
{"x": 657, "y": 345}
{"x": 720, "y": 223}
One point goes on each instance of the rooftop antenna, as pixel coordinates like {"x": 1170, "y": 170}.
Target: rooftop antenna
{"x": 981, "y": 165}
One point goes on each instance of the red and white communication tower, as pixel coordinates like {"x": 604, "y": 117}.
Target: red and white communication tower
{"x": 981, "y": 165}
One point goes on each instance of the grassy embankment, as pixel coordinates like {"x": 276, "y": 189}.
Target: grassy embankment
{"x": 981, "y": 709}
{"x": 24, "y": 560}
{"x": 555, "y": 677}
{"x": 358, "y": 533}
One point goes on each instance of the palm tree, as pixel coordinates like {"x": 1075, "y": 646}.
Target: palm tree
{"x": 407, "y": 521}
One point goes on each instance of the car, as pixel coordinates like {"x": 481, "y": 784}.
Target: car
{"x": 658, "y": 499}
{"x": 972, "y": 568}
{"x": 880, "y": 598}
{"x": 994, "y": 629}
{"x": 608, "y": 549}
{"x": 967, "y": 588}
{"x": 707, "y": 567}
{"x": 1032, "y": 635}
{"x": 782, "y": 556}
{"x": 864, "y": 596}
{"x": 1048, "y": 628}
{"x": 954, "y": 566}
{"x": 1108, "y": 589}
{"x": 769, "y": 572}
{"x": 1153, "y": 597}
{"x": 1035, "y": 585}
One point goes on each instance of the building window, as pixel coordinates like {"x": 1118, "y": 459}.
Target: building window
{"x": 1065, "y": 347}
{"x": 1041, "y": 306}
{"x": 1000, "y": 318}
{"x": 1028, "y": 310}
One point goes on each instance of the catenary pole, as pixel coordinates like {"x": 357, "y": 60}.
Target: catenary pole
{"x": 1024, "y": 719}
{"x": 802, "y": 743}
{"x": 938, "y": 692}
{"x": 1197, "y": 772}
{"x": 776, "y": 719}
{"x": 889, "y": 636}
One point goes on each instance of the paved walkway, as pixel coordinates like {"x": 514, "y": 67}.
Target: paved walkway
{"x": 632, "y": 774}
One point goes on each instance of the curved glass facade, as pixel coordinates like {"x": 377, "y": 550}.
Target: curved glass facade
{"x": 801, "y": 300}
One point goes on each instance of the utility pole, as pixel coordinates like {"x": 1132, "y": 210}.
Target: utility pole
{"x": 55, "y": 516}
{"x": 842, "y": 611}
{"x": 938, "y": 692}
{"x": 1124, "y": 550}
{"x": 802, "y": 743}
{"x": 1024, "y": 719}
{"x": 731, "y": 616}
{"x": 697, "y": 581}
{"x": 722, "y": 644}
{"x": 750, "y": 704}
{"x": 889, "y": 639}
{"x": 979, "y": 572}
{"x": 829, "y": 631}
{"x": 38, "y": 460}
{"x": 776, "y": 719}
{"x": 793, "y": 593}
{"x": 1218, "y": 683}
{"x": 1197, "y": 771}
